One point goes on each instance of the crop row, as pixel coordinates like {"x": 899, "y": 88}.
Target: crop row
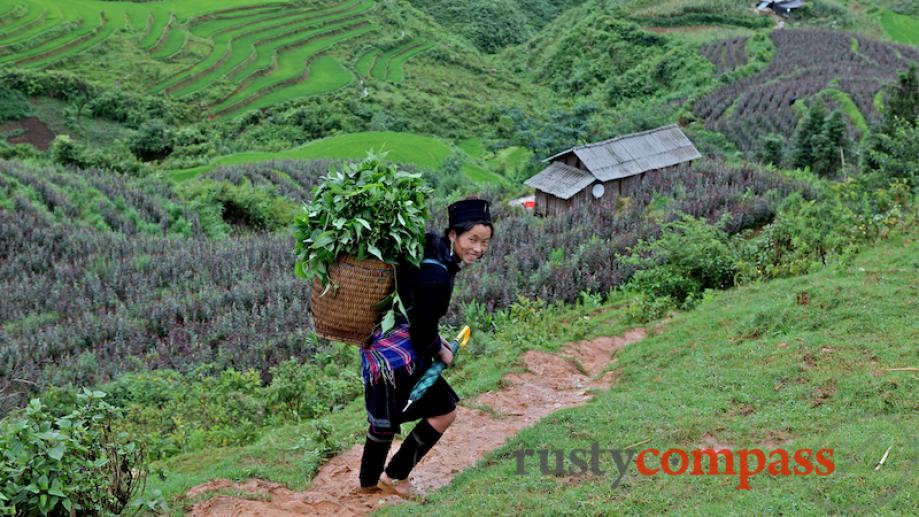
{"x": 95, "y": 198}
{"x": 806, "y": 62}
{"x": 289, "y": 66}
{"x": 241, "y": 46}
{"x": 82, "y": 306}
{"x": 247, "y": 52}
{"x": 29, "y": 25}
{"x": 387, "y": 66}
{"x": 726, "y": 54}
{"x": 23, "y": 18}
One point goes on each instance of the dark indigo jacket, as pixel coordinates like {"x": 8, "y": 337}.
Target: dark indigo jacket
{"x": 426, "y": 293}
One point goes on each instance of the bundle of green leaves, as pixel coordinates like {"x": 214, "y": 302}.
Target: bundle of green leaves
{"x": 367, "y": 209}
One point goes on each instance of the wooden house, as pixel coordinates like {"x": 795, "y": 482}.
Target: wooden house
{"x": 601, "y": 172}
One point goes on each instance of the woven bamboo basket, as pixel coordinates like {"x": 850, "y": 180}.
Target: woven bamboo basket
{"x": 346, "y": 313}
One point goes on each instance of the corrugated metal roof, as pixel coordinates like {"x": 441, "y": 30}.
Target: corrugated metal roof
{"x": 632, "y": 154}
{"x": 560, "y": 180}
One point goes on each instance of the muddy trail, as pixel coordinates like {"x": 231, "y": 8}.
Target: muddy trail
{"x": 551, "y": 382}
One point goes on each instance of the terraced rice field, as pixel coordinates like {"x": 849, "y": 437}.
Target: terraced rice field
{"x": 289, "y": 68}
{"x": 255, "y": 48}
{"x": 388, "y": 66}
{"x": 256, "y": 53}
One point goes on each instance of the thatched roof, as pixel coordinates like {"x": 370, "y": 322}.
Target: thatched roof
{"x": 635, "y": 153}
{"x": 560, "y": 180}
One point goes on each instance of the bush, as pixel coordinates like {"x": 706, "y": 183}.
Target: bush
{"x": 256, "y": 207}
{"x": 67, "y": 152}
{"x": 810, "y": 234}
{"x": 689, "y": 256}
{"x": 13, "y": 104}
{"x": 153, "y": 141}
{"x": 72, "y": 465}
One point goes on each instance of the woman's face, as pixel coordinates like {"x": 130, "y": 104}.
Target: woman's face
{"x": 471, "y": 245}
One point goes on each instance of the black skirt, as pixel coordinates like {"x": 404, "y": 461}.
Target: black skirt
{"x": 384, "y": 400}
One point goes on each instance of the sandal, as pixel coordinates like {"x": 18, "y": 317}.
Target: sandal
{"x": 400, "y": 487}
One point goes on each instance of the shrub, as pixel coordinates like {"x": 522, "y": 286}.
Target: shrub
{"x": 67, "y": 152}
{"x": 689, "y": 256}
{"x": 810, "y": 234}
{"x": 256, "y": 207}
{"x": 71, "y": 465}
{"x": 13, "y": 104}
{"x": 153, "y": 141}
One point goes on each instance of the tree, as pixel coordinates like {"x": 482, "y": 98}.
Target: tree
{"x": 811, "y": 126}
{"x": 892, "y": 148}
{"x": 837, "y": 142}
{"x": 772, "y": 150}
{"x": 903, "y": 100}
{"x": 152, "y": 141}
{"x": 896, "y": 154}
{"x": 821, "y": 141}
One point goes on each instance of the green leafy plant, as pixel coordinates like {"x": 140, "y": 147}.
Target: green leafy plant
{"x": 689, "y": 256}
{"x": 77, "y": 464}
{"x": 367, "y": 209}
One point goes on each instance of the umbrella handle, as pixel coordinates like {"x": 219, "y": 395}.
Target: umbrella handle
{"x": 463, "y": 336}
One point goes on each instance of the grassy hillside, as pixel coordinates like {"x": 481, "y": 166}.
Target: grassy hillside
{"x": 756, "y": 366}
{"x": 153, "y": 156}
{"x": 793, "y": 364}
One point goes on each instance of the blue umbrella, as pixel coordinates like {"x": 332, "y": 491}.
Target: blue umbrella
{"x": 431, "y": 374}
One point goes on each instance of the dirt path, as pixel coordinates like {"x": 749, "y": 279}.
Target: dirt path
{"x": 551, "y": 382}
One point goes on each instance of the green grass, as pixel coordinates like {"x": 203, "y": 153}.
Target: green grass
{"x": 160, "y": 22}
{"x": 507, "y": 159}
{"x": 473, "y": 147}
{"x": 172, "y": 43}
{"x": 752, "y": 368}
{"x": 749, "y": 367}
{"x": 78, "y": 46}
{"x": 514, "y": 157}
{"x": 420, "y": 150}
{"x": 217, "y": 25}
{"x": 92, "y": 24}
{"x": 222, "y": 45}
{"x": 86, "y": 130}
{"x": 388, "y": 66}
{"x": 26, "y": 20}
{"x": 52, "y": 18}
{"x": 900, "y": 27}
{"x": 137, "y": 21}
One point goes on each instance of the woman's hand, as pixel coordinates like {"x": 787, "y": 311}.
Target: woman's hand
{"x": 445, "y": 355}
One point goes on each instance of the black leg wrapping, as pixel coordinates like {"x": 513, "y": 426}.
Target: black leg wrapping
{"x": 415, "y": 446}
{"x": 376, "y": 447}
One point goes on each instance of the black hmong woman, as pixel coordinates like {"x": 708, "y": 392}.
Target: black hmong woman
{"x": 395, "y": 361}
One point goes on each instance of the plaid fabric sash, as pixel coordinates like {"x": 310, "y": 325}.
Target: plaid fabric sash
{"x": 387, "y": 354}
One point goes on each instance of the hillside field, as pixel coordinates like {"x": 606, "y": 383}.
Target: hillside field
{"x": 167, "y": 169}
